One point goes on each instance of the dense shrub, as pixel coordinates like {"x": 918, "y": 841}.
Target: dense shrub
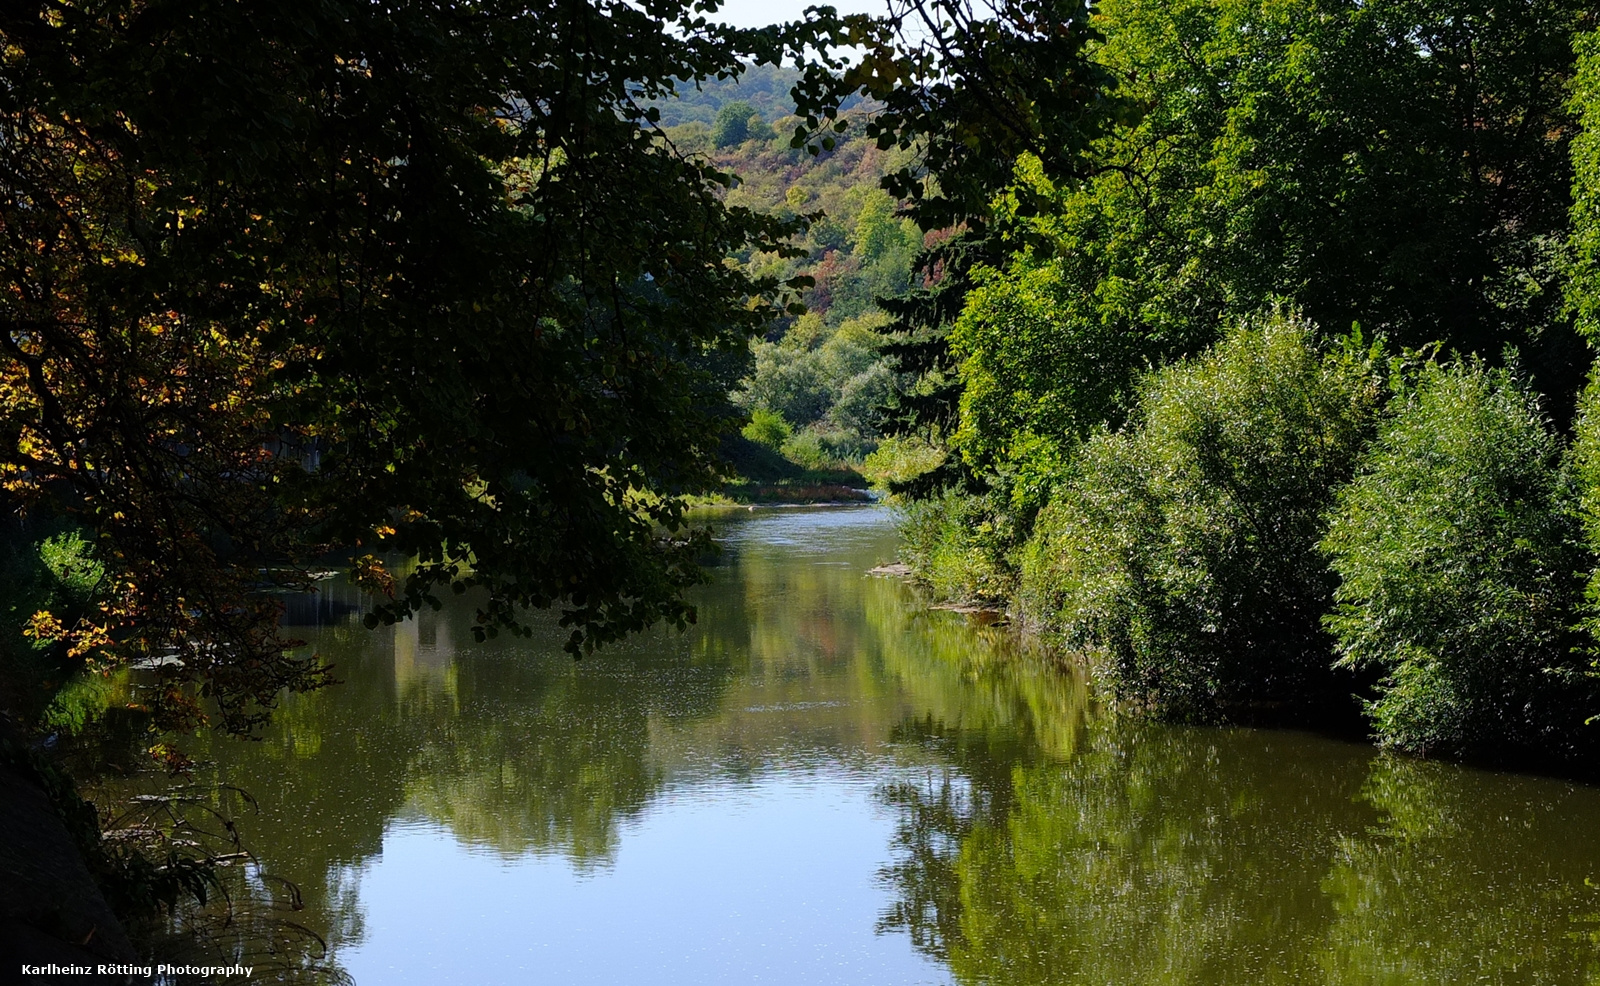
{"x": 1182, "y": 554}
{"x": 767, "y": 428}
{"x": 1584, "y": 295}
{"x": 1455, "y": 549}
{"x": 957, "y": 544}
{"x": 1583, "y": 463}
{"x": 821, "y": 446}
{"x": 900, "y": 458}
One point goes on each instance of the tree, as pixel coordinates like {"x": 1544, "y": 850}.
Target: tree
{"x": 732, "y": 125}
{"x": 410, "y": 280}
{"x": 1396, "y": 163}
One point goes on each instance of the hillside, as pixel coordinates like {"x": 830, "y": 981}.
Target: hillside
{"x": 818, "y": 380}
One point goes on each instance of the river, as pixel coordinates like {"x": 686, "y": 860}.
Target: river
{"x": 823, "y": 782}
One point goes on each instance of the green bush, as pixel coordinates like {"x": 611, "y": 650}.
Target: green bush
{"x": 821, "y": 447}
{"x": 957, "y": 543}
{"x": 807, "y": 450}
{"x": 900, "y": 458}
{"x": 1455, "y": 550}
{"x": 767, "y": 428}
{"x": 41, "y": 570}
{"x": 69, "y": 557}
{"x": 1182, "y": 554}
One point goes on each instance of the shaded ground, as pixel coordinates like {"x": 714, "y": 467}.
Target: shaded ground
{"x": 51, "y": 911}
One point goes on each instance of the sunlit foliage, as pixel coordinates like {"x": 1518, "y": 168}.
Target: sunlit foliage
{"x": 1454, "y": 550}
{"x": 1183, "y": 552}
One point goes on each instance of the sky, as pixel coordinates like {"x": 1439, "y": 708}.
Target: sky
{"x": 757, "y": 13}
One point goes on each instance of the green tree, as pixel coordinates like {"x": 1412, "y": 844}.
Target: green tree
{"x": 732, "y": 125}
{"x": 1395, "y": 163}
{"x": 1583, "y": 288}
{"x": 877, "y": 230}
{"x": 767, "y": 428}
{"x": 1033, "y": 376}
{"x": 408, "y": 279}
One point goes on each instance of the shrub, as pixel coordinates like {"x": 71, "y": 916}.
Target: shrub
{"x": 899, "y": 459}
{"x": 767, "y": 428}
{"x": 1182, "y": 552}
{"x": 1454, "y": 546}
{"x": 70, "y": 559}
{"x": 1584, "y": 468}
{"x": 55, "y": 572}
{"x": 956, "y": 543}
{"x": 819, "y": 447}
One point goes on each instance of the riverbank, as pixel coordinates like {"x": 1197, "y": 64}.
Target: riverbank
{"x": 784, "y": 494}
{"x": 51, "y": 909}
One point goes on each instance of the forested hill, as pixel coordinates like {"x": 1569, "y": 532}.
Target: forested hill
{"x": 818, "y": 381}
{"x": 764, "y": 87}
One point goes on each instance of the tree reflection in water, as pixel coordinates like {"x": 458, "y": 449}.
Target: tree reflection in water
{"x": 1035, "y": 841}
{"x": 1156, "y": 855}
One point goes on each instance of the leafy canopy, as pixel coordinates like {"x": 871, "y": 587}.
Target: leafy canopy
{"x": 1402, "y": 164}
{"x": 415, "y": 279}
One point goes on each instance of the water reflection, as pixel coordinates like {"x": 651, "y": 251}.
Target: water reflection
{"x": 825, "y": 782}
{"x": 1466, "y": 877}
{"x": 1185, "y": 856}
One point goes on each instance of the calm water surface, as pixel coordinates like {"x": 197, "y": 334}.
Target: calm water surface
{"x": 824, "y": 783}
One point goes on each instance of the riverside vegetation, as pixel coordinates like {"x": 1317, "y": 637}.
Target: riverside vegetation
{"x": 1243, "y": 346}
{"x": 1274, "y": 393}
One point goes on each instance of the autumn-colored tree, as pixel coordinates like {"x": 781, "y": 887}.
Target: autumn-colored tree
{"x": 404, "y": 280}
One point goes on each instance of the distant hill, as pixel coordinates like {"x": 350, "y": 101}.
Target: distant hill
{"x": 765, "y": 87}
{"x": 819, "y": 380}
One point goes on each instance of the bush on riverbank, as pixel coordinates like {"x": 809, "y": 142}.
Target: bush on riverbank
{"x": 958, "y": 545}
{"x": 1271, "y": 530}
{"x": 1455, "y": 547}
{"x": 1583, "y": 464}
{"x": 1183, "y": 553}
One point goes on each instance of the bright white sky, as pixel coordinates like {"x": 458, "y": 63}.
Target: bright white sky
{"x": 759, "y": 13}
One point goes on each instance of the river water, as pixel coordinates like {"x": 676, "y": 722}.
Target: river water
{"x": 823, "y": 782}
